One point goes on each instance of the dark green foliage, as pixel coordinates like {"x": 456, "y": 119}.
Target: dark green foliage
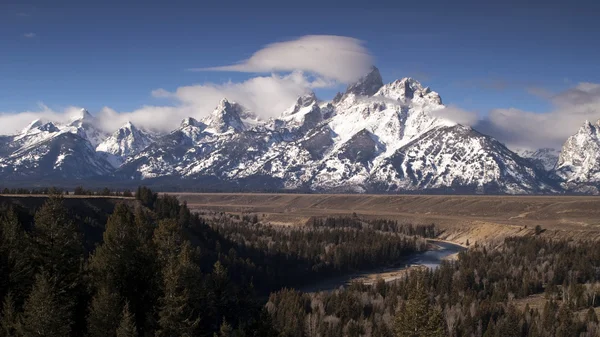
{"x": 180, "y": 303}
{"x": 146, "y": 196}
{"x": 43, "y": 313}
{"x": 8, "y": 318}
{"x": 16, "y": 271}
{"x": 127, "y": 326}
{"x": 416, "y": 317}
{"x": 56, "y": 244}
{"x": 105, "y": 314}
{"x": 161, "y": 270}
{"x": 125, "y": 263}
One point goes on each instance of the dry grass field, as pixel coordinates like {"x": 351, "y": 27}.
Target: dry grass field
{"x": 461, "y": 217}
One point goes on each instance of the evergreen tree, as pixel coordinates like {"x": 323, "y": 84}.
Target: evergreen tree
{"x": 127, "y": 326}
{"x": 125, "y": 263}
{"x": 105, "y": 314}
{"x": 436, "y": 324}
{"x": 178, "y": 315}
{"x": 8, "y": 318}
{"x": 43, "y": 313}
{"x": 168, "y": 239}
{"x": 16, "y": 271}
{"x": 417, "y": 318}
{"x": 57, "y": 246}
{"x": 57, "y": 250}
{"x": 225, "y": 331}
{"x": 413, "y": 319}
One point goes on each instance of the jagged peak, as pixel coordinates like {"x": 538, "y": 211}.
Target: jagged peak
{"x": 36, "y": 123}
{"x": 223, "y": 103}
{"x": 307, "y": 99}
{"x": 82, "y": 114}
{"x": 303, "y": 101}
{"x": 227, "y": 107}
{"x": 587, "y": 127}
{"x": 48, "y": 127}
{"x": 189, "y": 121}
{"x": 227, "y": 115}
{"x": 408, "y": 88}
{"x": 128, "y": 125}
{"x": 367, "y": 85}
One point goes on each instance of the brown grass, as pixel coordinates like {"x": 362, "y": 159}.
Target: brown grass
{"x": 473, "y": 218}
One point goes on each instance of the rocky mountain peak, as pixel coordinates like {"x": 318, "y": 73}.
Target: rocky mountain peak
{"x": 408, "y": 89}
{"x": 302, "y": 102}
{"x": 189, "y": 121}
{"x": 126, "y": 141}
{"x": 81, "y": 117}
{"x": 33, "y": 125}
{"x": 367, "y": 85}
{"x": 579, "y": 160}
{"x": 226, "y": 117}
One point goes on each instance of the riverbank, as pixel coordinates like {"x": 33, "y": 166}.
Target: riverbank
{"x": 430, "y": 258}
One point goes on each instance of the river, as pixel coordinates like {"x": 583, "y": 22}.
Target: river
{"x": 431, "y": 258}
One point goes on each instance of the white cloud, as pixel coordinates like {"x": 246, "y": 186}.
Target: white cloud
{"x": 457, "y": 115}
{"x": 267, "y": 96}
{"x": 29, "y": 35}
{"x": 339, "y": 58}
{"x": 518, "y": 128}
{"x": 11, "y": 123}
{"x": 310, "y": 62}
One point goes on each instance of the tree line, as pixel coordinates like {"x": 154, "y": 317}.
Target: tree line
{"x": 79, "y": 190}
{"x": 147, "y": 277}
{"x": 474, "y": 296}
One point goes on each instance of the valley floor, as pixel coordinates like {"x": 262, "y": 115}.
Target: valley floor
{"x": 462, "y": 218}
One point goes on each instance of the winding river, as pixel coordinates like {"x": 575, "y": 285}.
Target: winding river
{"x": 431, "y": 258}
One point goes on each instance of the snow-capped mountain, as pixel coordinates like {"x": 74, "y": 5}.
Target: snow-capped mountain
{"x": 374, "y": 137}
{"x": 578, "y": 165}
{"x": 545, "y": 158}
{"x": 85, "y": 125}
{"x": 125, "y": 142}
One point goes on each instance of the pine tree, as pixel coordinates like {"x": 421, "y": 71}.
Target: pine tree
{"x": 43, "y": 314}
{"x": 226, "y": 330}
{"x": 124, "y": 263}
{"x": 57, "y": 246}
{"x": 8, "y": 318}
{"x": 178, "y": 314}
{"x": 436, "y": 324}
{"x": 104, "y": 314}
{"x": 167, "y": 239}
{"x": 16, "y": 271}
{"x": 127, "y": 326}
{"x": 413, "y": 319}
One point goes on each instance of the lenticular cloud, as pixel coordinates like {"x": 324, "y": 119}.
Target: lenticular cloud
{"x": 339, "y": 58}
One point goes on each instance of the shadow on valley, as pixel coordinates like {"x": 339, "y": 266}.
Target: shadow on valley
{"x": 148, "y": 266}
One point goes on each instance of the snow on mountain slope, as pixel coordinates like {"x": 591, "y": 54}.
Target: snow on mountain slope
{"x": 374, "y": 137}
{"x": 125, "y": 142}
{"x": 545, "y": 158}
{"x": 64, "y": 155}
{"x": 85, "y": 125}
{"x": 458, "y": 157}
{"x": 229, "y": 117}
{"x": 579, "y": 160}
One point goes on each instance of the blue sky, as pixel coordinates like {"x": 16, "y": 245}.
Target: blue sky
{"x": 478, "y": 56}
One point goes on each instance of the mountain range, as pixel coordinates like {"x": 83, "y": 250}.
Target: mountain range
{"x": 374, "y": 137}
